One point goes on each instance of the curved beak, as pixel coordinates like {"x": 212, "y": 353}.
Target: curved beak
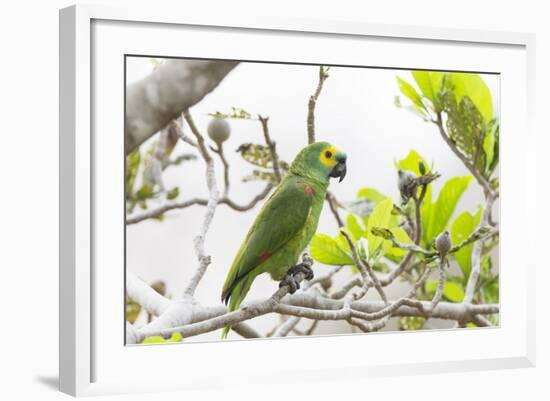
{"x": 339, "y": 170}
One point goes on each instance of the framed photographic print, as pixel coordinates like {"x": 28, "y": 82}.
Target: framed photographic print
{"x": 305, "y": 199}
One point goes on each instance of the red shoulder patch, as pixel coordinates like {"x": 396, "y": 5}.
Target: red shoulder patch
{"x": 264, "y": 256}
{"x": 309, "y": 190}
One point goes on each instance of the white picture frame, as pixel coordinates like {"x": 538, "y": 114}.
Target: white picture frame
{"x": 92, "y": 363}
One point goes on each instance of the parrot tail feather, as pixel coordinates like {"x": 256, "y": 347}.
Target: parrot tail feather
{"x": 225, "y": 332}
{"x": 235, "y": 298}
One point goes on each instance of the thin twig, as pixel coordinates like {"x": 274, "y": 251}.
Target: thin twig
{"x": 333, "y": 204}
{"x": 347, "y": 287}
{"x": 219, "y": 151}
{"x": 312, "y": 103}
{"x": 388, "y": 235}
{"x": 365, "y": 268}
{"x": 385, "y": 313}
{"x": 481, "y": 233}
{"x": 323, "y": 75}
{"x": 149, "y": 214}
{"x": 286, "y": 327}
{"x": 441, "y": 284}
{"x": 418, "y": 215}
{"x": 272, "y": 148}
{"x": 176, "y": 125}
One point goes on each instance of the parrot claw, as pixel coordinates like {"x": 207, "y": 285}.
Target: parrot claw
{"x": 291, "y": 283}
{"x": 290, "y": 279}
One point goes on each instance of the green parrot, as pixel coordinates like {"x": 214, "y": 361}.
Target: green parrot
{"x": 285, "y": 225}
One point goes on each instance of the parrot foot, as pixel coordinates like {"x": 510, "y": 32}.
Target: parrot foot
{"x": 290, "y": 279}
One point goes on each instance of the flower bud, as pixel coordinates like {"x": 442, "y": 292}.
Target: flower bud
{"x": 443, "y": 243}
{"x": 219, "y": 130}
{"x": 406, "y": 182}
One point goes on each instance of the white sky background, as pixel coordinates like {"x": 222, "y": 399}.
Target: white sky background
{"x": 355, "y": 110}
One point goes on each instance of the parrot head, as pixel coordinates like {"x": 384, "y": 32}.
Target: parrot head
{"x": 320, "y": 161}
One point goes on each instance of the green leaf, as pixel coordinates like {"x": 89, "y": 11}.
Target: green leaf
{"x": 154, "y": 340}
{"x": 380, "y": 217}
{"x": 411, "y": 162}
{"x": 429, "y": 83}
{"x": 173, "y": 193}
{"x": 463, "y": 226}
{"x": 491, "y": 292}
{"x": 467, "y": 128}
{"x": 409, "y": 91}
{"x": 145, "y": 192}
{"x": 492, "y": 164}
{"x": 175, "y": 338}
{"x": 327, "y": 250}
{"x": 257, "y": 154}
{"x": 410, "y": 323}
{"x": 426, "y": 209}
{"x": 343, "y": 244}
{"x": 132, "y": 165}
{"x": 159, "y": 217}
{"x": 473, "y": 86}
{"x": 489, "y": 146}
{"x": 178, "y": 160}
{"x": 452, "y": 291}
{"x": 401, "y": 236}
{"x": 355, "y": 227}
{"x": 236, "y": 112}
{"x": 132, "y": 310}
{"x": 430, "y": 286}
{"x": 371, "y": 194}
{"x": 442, "y": 210}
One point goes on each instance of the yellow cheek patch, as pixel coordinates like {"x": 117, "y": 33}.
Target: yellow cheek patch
{"x": 329, "y": 161}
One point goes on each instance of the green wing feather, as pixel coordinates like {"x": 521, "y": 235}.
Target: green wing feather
{"x": 282, "y": 217}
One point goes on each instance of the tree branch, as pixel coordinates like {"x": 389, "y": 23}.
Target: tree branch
{"x": 190, "y": 318}
{"x": 477, "y": 248}
{"x": 488, "y": 190}
{"x": 312, "y": 306}
{"x": 144, "y": 295}
{"x": 245, "y": 331}
{"x": 481, "y": 321}
{"x": 287, "y": 326}
{"x": 204, "y": 260}
{"x": 174, "y": 86}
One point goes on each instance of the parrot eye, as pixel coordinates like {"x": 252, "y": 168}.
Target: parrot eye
{"x": 328, "y": 154}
